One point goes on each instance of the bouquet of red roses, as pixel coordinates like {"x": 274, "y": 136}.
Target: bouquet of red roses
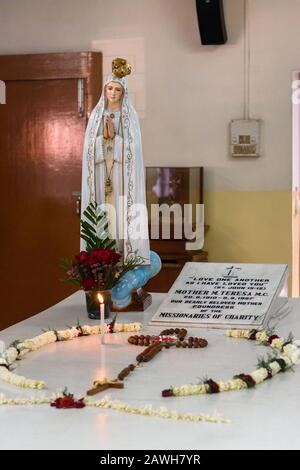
{"x": 98, "y": 270}
{"x": 99, "y": 267}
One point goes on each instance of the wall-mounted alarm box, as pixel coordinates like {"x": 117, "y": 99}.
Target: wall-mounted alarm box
{"x": 245, "y": 137}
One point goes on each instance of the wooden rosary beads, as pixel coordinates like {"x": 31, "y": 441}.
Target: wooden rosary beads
{"x": 166, "y": 338}
{"x": 154, "y": 344}
{"x": 145, "y": 356}
{"x": 192, "y": 343}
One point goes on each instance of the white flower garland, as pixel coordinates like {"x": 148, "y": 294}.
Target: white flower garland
{"x": 19, "y": 349}
{"x": 287, "y": 359}
{"x": 106, "y": 403}
{"x": 148, "y": 410}
{"x": 289, "y": 356}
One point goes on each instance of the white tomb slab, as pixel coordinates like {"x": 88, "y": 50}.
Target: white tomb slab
{"x": 220, "y": 295}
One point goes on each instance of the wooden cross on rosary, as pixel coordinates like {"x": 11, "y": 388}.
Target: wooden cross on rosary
{"x": 154, "y": 344}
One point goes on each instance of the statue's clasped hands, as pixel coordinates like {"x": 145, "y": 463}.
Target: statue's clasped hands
{"x": 108, "y": 128}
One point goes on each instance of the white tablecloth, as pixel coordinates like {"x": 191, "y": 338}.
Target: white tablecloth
{"x": 266, "y": 417}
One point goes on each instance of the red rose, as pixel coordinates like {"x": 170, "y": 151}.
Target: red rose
{"x": 92, "y": 259}
{"x": 115, "y": 258}
{"x": 88, "y": 283}
{"x": 97, "y": 253}
{"x": 103, "y": 256}
{"x": 106, "y": 255}
{"x": 83, "y": 256}
{"x": 68, "y": 402}
{"x": 79, "y": 403}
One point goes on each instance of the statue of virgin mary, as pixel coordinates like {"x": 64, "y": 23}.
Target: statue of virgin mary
{"x": 112, "y": 166}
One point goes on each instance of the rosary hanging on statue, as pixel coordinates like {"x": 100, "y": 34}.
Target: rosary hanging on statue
{"x": 108, "y": 186}
{"x": 108, "y": 179}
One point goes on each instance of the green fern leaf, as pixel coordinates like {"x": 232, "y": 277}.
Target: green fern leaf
{"x": 94, "y": 229}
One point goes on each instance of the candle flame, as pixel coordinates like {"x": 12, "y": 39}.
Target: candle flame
{"x": 100, "y": 298}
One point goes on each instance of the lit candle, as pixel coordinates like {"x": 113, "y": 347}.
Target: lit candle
{"x": 102, "y": 325}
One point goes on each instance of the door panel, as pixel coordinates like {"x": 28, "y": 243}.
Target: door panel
{"x": 41, "y": 138}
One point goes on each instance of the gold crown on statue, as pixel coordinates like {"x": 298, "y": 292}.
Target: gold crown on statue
{"x": 120, "y": 67}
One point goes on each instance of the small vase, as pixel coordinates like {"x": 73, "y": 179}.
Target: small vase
{"x": 93, "y": 305}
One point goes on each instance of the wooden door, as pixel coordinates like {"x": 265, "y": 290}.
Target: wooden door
{"x": 41, "y": 138}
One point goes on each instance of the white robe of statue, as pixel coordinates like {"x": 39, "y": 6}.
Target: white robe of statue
{"x": 108, "y": 164}
{"x": 121, "y": 160}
